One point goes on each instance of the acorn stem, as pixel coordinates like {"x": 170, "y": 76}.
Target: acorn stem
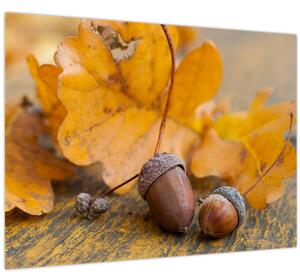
{"x": 171, "y": 85}
{"x": 274, "y": 162}
{"x": 120, "y": 185}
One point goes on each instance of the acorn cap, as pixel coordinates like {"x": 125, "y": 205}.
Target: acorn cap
{"x": 235, "y": 198}
{"x": 154, "y": 168}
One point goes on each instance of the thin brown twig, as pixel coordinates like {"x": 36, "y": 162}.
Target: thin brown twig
{"x": 172, "y": 76}
{"x": 120, "y": 185}
{"x": 274, "y": 162}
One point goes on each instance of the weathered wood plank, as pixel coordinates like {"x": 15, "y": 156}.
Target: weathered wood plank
{"x": 127, "y": 231}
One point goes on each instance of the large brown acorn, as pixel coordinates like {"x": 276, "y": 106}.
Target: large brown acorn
{"x": 163, "y": 183}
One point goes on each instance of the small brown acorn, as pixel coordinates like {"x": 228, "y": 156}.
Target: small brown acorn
{"x": 163, "y": 183}
{"x": 222, "y": 212}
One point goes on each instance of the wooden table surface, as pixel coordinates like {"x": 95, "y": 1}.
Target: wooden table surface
{"x": 126, "y": 231}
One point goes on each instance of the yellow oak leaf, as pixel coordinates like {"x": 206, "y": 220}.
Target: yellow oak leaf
{"x": 197, "y": 80}
{"x": 29, "y": 168}
{"x": 228, "y": 125}
{"x": 112, "y": 95}
{"x": 270, "y": 188}
{"x": 257, "y": 126}
{"x": 45, "y": 77}
{"x": 231, "y": 125}
{"x": 144, "y": 59}
{"x": 231, "y": 161}
{"x": 243, "y": 145}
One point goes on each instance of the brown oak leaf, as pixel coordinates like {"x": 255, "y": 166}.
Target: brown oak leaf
{"x": 29, "y": 168}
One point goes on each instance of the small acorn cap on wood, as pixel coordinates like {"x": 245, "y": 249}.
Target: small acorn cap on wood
{"x": 154, "y": 168}
{"x": 83, "y": 203}
{"x": 234, "y": 196}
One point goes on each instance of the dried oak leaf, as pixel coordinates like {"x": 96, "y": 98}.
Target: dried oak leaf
{"x": 242, "y": 145}
{"x": 29, "y": 168}
{"x": 217, "y": 157}
{"x": 114, "y": 75}
{"x": 197, "y": 80}
{"x": 45, "y": 77}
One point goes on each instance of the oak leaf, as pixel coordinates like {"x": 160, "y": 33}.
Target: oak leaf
{"x": 216, "y": 157}
{"x": 112, "y": 103}
{"x": 242, "y": 145}
{"x": 260, "y": 124}
{"x": 45, "y": 77}
{"x": 29, "y": 168}
{"x": 197, "y": 80}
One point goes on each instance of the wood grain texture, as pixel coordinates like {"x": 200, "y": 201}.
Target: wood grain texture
{"x": 126, "y": 231}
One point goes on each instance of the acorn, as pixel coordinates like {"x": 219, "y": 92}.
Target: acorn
{"x": 164, "y": 185}
{"x": 89, "y": 207}
{"x": 222, "y": 212}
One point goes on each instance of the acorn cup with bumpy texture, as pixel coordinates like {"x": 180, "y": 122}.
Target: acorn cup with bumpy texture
{"x": 221, "y": 212}
{"x": 163, "y": 183}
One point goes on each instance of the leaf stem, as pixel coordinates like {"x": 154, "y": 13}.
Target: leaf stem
{"x": 274, "y": 162}
{"x": 171, "y": 85}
